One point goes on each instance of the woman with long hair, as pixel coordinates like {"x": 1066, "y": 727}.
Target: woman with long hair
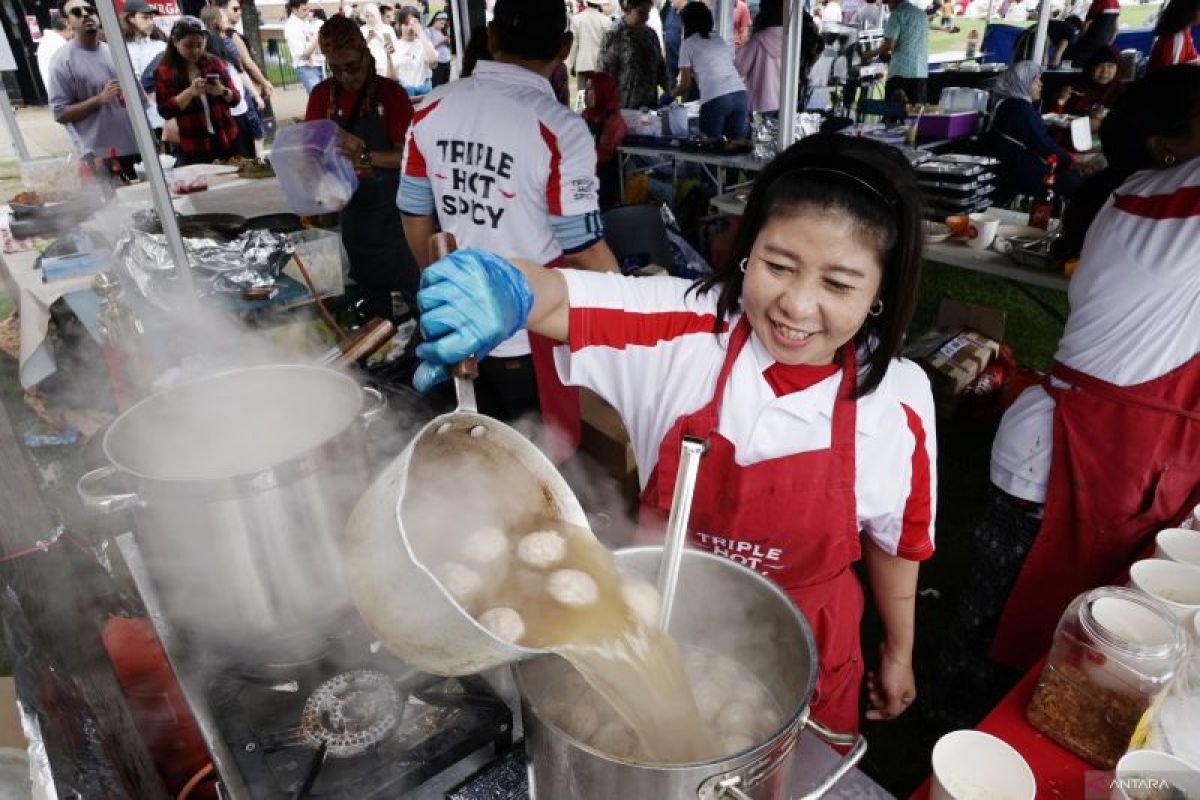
{"x": 196, "y": 89}
{"x": 786, "y": 361}
{"x": 245, "y": 112}
{"x": 1173, "y": 35}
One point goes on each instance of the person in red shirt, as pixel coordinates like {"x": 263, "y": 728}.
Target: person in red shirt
{"x": 603, "y": 117}
{"x": 195, "y": 89}
{"x": 741, "y": 23}
{"x": 1173, "y": 42}
{"x": 373, "y": 114}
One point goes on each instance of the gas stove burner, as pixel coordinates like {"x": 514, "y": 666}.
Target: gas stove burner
{"x": 351, "y": 712}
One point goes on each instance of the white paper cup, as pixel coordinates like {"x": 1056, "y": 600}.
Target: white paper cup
{"x": 1141, "y": 773}
{"x": 1177, "y": 586}
{"x": 981, "y": 231}
{"x": 1178, "y": 544}
{"x": 972, "y": 765}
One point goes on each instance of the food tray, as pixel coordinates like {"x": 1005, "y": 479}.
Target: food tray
{"x": 949, "y": 173}
{"x": 939, "y": 187}
{"x": 962, "y": 158}
{"x": 1035, "y": 253}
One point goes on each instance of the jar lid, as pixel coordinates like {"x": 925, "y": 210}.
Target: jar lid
{"x": 1126, "y": 619}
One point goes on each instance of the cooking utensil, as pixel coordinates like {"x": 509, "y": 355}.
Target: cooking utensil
{"x": 390, "y": 570}
{"x": 721, "y": 607}
{"x": 372, "y": 336}
{"x": 280, "y": 223}
{"x": 690, "y": 452}
{"x": 241, "y": 483}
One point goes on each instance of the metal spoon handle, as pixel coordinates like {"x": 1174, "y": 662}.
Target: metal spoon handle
{"x": 464, "y": 372}
{"x": 677, "y": 524}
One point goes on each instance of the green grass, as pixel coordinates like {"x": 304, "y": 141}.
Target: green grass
{"x": 943, "y": 41}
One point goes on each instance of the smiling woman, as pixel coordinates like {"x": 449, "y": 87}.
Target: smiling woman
{"x": 785, "y": 361}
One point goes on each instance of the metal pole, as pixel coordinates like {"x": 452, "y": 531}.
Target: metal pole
{"x": 723, "y": 14}
{"x": 159, "y": 192}
{"x": 14, "y": 130}
{"x": 677, "y": 525}
{"x": 988, "y": 19}
{"x": 1039, "y": 41}
{"x": 789, "y": 81}
{"x": 462, "y": 23}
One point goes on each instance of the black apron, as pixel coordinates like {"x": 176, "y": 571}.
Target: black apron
{"x": 372, "y": 230}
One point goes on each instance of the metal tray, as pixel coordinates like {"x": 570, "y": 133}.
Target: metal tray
{"x": 1035, "y": 253}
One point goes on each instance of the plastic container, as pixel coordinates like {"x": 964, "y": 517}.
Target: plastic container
{"x": 1115, "y": 653}
{"x": 954, "y": 125}
{"x": 316, "y": 178}
{"x": 323, "y": 257}
{"x": 51, "y": 174}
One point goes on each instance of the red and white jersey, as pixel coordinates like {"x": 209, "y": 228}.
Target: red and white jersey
{"x": 647, "y": 346}
{"x": 503, "y": 159}
{"x": 1175, "y": 49}
{"x": 1099, "y": 8}
{"x": 1134, "y": 303}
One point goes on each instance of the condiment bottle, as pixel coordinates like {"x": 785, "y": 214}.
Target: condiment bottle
{"x": 1042, "y": 210}
{"x": 1114, "y": 655}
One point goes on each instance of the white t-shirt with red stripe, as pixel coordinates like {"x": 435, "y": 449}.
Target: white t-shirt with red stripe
{"x": 503, "y": 158}
{"x": 1135, "y": 312}
{"x": 646, "y": 345}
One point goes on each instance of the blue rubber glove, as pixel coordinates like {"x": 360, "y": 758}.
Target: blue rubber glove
{"x": 470, "y": 302}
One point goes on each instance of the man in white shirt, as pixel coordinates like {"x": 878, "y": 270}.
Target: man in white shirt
{"x": 53, "y": 40}
{"x": 300, "y": 32}
{"x": 589, "y": 27}
{"x": 497, "y": 161}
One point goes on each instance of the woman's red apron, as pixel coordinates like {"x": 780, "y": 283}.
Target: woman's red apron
{"x": 793, "y": 519}
{"x": 559, "y": 403}
{"x": 1125, "y": 463}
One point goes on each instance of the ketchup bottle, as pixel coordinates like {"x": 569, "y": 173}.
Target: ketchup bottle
{"x": 1043, "y": 209}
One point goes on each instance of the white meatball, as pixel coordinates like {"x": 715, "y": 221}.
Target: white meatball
{"x": 736, "y": 743}
{"x": 504, "y": 622}
{"x": 736, "y": 718}
{"x": 463, "y": 583}
{"x": 710, "y": 699}
{"x": 572, "y": 587}
{"x": 581, "y": 721}
{"x": 643, "y": 601}
{"x": 542, "y": 549}
{"x": 485, "y": 547}
{"x": 615, "y": 739}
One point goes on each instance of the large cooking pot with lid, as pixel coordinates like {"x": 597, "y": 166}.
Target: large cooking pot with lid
{"x": 241, "y": 482}
{"x": 720, "y": 607}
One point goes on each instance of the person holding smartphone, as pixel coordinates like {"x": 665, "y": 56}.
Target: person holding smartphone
{"x": 195, "y": 88}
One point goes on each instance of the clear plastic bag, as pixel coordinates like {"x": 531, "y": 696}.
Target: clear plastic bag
{"x": 315, "y": 177}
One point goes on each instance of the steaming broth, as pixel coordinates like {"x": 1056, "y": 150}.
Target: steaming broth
{"x": 467, "y": 512}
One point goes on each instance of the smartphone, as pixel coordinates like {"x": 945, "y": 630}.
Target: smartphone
{"x": 213, "y": 78}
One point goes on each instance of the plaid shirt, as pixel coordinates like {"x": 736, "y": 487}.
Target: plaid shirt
{"x": 194, "y": 139}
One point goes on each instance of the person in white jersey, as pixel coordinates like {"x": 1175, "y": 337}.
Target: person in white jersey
{"x": 496, "y": 160}
{"x": 1089, "y": 466}
{"x": 821, "y": 442}
{"x": 705, "y": 56}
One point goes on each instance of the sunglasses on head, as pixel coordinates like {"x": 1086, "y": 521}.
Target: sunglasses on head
{"x": 82, "y": 11}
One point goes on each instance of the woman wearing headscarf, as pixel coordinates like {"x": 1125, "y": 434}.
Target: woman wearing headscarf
{"x": 1018, "y": 137}
{"x": 381, "y": 41}
{"x": 602, "y": 113}
{"x": 373, "y": 114}
{"x": 1096, "y": 91}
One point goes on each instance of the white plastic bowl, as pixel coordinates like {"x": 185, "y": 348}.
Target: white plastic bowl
{"x": 972, "y": 765}
{"x": 1139, "y": 772}
{"x": 1178, "y": 544}
{"x": 1175, "y": 585}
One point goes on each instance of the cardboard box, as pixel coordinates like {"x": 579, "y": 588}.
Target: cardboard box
{"x": 604, "y": 438}
{"x": 959, "y": 349}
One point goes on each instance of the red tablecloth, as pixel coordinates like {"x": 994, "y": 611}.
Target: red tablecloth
{"x": 1059, "y": 773}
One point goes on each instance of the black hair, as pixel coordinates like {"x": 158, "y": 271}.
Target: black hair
{"x": 630, "y": 5}
{"x": 1176, "y": 16}
{"x": 1161, "y": 104}
{"x": 184, "y": 27}
{"x": 532, "y": 29}
{"x": 405, "y": 13}
{"x": 475, "y": 51}
{"x": 876, "y": 186}
{"x": 59, "y": 23}
{"x": 292, "y": 5}
{"x": 696, "y": 18}
{"x": 770, "y": 15}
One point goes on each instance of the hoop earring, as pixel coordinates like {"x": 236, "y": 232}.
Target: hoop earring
{"x": 1169, "y": 159}
{"x": 876, "y": 308}
{"x": 742, "y": 264}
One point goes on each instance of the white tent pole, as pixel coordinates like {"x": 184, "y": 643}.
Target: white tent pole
{"x": 789, "y": 80}
{"x": 988, "y": 19}
{"x": 14, "y": 130}
{"x": 1039, "y": 42}
{"x": 462, "y": 21}
{"x": 159, "y": 193}
{"x": 723, "y": 15}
